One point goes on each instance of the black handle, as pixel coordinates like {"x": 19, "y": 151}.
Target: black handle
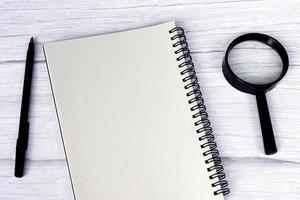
{"x": 265, "y": 123}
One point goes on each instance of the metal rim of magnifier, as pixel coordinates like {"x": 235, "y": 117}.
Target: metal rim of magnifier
{"x": 247, "y": 87}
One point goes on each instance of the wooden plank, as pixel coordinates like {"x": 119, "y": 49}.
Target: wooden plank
{"x": 252, "y": 178}
{"x": 46, "y": 179}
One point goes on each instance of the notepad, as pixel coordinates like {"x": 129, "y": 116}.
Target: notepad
{"x": 132, "y": 117}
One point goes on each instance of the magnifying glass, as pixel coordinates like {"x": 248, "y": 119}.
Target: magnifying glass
{"x": 258, "y": 88}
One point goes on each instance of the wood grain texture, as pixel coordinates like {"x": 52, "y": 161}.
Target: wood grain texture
{"x": 210, "y": 26}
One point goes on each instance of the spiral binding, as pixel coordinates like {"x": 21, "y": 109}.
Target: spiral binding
{"x": 201, "y": 116}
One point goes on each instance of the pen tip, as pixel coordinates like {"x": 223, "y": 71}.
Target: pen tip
{"x": 31, "y": 40}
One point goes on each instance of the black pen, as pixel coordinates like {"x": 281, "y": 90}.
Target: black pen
{"x": 22, "y": 141}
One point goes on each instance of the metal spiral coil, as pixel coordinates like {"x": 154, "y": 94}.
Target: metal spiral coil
{"x": 188, "y": 72}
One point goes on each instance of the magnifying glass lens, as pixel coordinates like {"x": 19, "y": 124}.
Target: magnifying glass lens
{"x": 255, "y": 63}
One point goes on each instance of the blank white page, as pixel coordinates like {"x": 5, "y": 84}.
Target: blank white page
{"x": 125, "y": 120}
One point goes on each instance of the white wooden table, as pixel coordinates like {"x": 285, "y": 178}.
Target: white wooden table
{"x": 210, "y": 26}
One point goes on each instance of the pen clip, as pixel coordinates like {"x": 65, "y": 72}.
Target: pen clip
{"x": 22, "y": 143}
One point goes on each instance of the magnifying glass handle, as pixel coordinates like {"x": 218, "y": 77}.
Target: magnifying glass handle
{"x": 265, "y": 123}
